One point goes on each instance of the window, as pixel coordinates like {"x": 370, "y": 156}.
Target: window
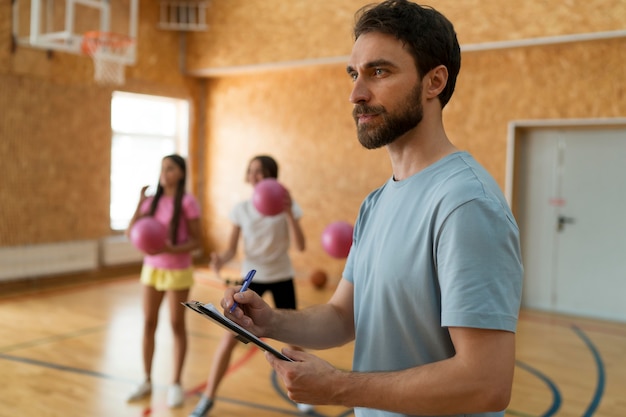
{"x": 145, "y": 129}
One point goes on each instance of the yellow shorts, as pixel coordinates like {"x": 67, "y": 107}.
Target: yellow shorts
{"x": 167, "y": 279}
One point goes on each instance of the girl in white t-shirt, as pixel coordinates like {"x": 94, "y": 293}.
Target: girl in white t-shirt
{"x": 267, "y": 240}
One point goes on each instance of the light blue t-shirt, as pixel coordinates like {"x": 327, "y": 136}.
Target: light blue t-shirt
{"x": 438, "y": 249}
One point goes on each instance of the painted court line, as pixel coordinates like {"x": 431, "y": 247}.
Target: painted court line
{"x": 51, "y": 339}
{"x": 63, "y": 368}
{"x": 556, "y": 395}
{"x": 597, "y": 396}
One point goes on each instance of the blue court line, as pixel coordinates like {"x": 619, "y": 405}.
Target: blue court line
{"x": 556, "y": 403}
{"x": 51, "y": 339}
{"x": 63, "y": 368}
{"x": 95, "y": 374}
{"x": 556, "y": 395}
{"x": 518, "y": 413}
{"x": 260, "y": 406}
{"x": 597, "y": 396}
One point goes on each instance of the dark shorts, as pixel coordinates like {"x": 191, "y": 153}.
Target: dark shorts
{"x": 283, "y": 292}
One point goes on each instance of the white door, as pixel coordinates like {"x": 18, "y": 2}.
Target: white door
{"x": 570, "y": 199}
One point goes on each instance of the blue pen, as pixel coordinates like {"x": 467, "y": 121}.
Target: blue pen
{"x": 246, "y": 283}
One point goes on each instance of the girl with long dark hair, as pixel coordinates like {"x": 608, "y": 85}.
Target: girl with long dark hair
{"x": 168, "y": 272}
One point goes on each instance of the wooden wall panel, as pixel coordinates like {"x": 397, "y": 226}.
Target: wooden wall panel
{"x": 479, "y": 21}
{"x": 55, "y": 131}
{"x": 302, "y": 116}
{"x": 54, "y": 120}
{"x": 158, "y": 51}
{"x": 303, "y": 119}
{"x": 286, "y": 111}
{"x": 245, "y": 33}
{"x": 251, "y": 32}
{"x": 568, "y": 81}
{"x": 55, "y": 184}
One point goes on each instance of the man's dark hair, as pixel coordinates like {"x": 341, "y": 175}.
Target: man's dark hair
{"x": 428, "y": 35}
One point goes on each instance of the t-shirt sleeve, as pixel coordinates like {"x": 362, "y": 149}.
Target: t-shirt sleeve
{"x": 296, "y": 210}
{"x": 479, "y": 267}
{"x": 191, "y": 208}
{"x": 235, "y": 214}
{"x": 145, "y": 205}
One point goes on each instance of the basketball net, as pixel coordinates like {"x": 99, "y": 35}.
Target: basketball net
{"x": 110, "y": 53}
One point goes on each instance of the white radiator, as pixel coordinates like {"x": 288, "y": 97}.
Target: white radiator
{"x": 117, "y": 250}
{"x": 47, "y": 259}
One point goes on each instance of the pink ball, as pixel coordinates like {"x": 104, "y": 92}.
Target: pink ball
{"x": 148, "y": 235}
{"x": 337, "y": 239}
{"x": 268, "y": 197}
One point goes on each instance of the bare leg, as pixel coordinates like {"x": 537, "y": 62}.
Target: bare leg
{"x": 151, "y": 303}
{"x": 179, "y": 329}
{"x": 219, "y": 366}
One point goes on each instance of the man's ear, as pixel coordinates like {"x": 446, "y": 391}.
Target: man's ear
{"x": 435, "y": 81}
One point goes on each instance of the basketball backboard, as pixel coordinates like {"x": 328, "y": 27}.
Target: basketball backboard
{"x": 60, "y": 25}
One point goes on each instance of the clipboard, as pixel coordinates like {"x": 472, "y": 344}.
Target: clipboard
{"x": 209, "y": 311}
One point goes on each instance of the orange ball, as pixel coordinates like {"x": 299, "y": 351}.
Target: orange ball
{"x": 318, "y": 278}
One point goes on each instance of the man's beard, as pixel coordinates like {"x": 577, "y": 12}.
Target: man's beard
{"x": 393, "y": 125}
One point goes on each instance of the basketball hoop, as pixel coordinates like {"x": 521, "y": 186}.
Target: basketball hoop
{"x": 110, "y": 54}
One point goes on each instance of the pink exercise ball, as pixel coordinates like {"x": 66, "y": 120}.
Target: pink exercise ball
{"x": 268, "y": 197}
{"x": 148, "y": 235}
{"x": 337, "y": 239}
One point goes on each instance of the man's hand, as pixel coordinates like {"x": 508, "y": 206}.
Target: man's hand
{"x": 252, "y": 312}
{"x": 309, "y": 380}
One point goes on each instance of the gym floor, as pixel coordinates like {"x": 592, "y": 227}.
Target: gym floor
{"x": 76, "y": 351}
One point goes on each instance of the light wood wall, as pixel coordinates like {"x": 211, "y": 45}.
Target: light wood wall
{"x": 272, "y": 90}
{"x": 55, "y": 129}
{"x": 268, "y": 88}
{"x": 244, "y": 33}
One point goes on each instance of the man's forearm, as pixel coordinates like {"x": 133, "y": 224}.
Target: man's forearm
{"x": 317, "y": 327}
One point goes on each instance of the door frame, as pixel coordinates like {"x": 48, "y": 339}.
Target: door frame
{"x": 517, "y": 127}
{"x": 520, "y": 129}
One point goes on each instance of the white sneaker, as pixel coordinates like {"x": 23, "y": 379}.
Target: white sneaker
{"x": 175, "y": 396}
{"x": 141, "y": 391}
{"x": 304, "y": 408}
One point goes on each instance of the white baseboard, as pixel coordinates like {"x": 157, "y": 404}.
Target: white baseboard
{"x": 47, "y": 259}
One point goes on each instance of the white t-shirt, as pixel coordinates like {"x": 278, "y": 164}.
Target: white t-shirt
{"x": 266, "y": 242}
